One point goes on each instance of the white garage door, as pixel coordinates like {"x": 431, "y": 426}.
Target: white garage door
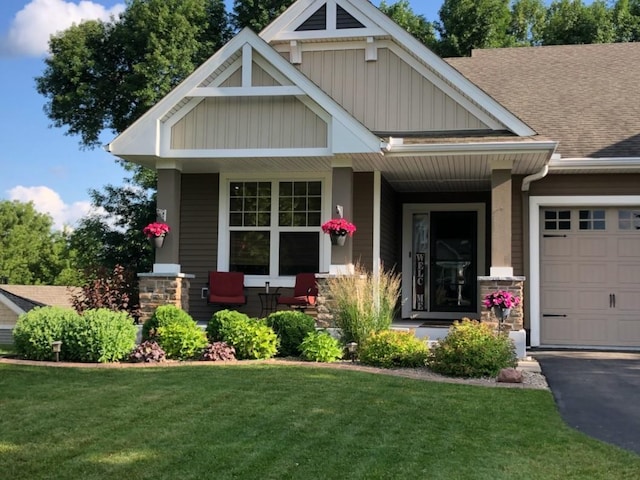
{"x": 590, "y": 277}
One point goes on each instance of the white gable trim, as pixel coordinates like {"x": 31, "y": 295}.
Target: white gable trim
{"x": 346, "y": 134}
{"x": 10, "y": 305}
{"x": 371, "y": 16}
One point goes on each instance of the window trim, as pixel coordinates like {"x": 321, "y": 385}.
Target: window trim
{"x": 325, "y": 178}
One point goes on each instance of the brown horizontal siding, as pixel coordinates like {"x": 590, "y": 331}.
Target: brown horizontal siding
{"x": 363, "y": 219}
{"x": 585, "y": 184}
{"x": 517, "y": 227}
{"x": 7, "y": 316}
{"x": 199, "y": 236}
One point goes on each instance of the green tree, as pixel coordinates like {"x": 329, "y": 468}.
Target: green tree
{"x": 30, "y": 251}
{"x": 105, "y": 75}
{"x": 527, "y": 21}
{"x": 571, "y": 22}
{"x": 468, "y": 24}
{"x": 257, "y": 14}
{"x": 417, "y": 25}
{"x": 626, "y": 20}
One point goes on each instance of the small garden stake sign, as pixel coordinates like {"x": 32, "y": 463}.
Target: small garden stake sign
{"x": 338, "y": 229}
{"x": 501, "y": 302}
{"x": 156, "y": 232}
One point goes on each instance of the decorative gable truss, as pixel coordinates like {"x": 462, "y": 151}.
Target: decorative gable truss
{"x": 245, "y": 101}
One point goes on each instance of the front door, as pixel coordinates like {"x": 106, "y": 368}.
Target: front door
{"x": 440, "y": 267}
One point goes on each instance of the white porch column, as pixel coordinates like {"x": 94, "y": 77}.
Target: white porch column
{"x": 342, "y": 194}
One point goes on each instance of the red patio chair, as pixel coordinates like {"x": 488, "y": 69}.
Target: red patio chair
{"x": 305, "y": 292}
{"x": 226, "y": 289}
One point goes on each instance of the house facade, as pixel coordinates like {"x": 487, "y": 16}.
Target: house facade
{"x": 461, "y": 179}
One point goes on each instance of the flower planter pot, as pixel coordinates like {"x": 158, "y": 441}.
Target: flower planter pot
{"x": 501, "y": 313}
{"x": 337, "y": 239}
{"x": 157, "y": 242}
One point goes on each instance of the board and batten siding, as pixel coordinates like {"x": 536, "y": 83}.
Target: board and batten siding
{"x": 386, "y": 95}
{"x": 199, "y": 236}
{"x": 363, "y": 219}
{"x": 517, "y": 227}
{"x": 249, "y": 122}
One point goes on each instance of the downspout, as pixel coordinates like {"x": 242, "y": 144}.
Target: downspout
{"x": 526, "y": 183}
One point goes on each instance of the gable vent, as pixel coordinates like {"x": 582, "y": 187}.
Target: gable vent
{"x": 317, "y": 21}
{"x": 345, "y": 20}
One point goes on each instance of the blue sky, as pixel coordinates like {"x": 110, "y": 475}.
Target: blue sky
{"x": 38, "y": 163}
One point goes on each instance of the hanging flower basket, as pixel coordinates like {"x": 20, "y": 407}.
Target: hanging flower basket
{"x": 156, "y": 232}
{"x": 501, "y": 302}
{"x": 338, "y": 229}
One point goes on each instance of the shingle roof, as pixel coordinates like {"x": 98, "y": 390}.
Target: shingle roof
{"x": 30, "y": 296}
{"x": 587, "y": 97}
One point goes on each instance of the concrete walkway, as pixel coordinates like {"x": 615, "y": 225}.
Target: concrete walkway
{"x": 597, "y": 393}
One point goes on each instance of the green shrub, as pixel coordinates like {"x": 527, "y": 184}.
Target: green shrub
{"x": 362, "y": 303}
{"x": 291, "y": 327}
{"x": 320, "y": 346}
{"x": 99, "y": 335}
{"x": 391, "y": 348}
{"x": 37, "y": 329}
{"x": 181, "y": 341}
{"x": 472, "y": 349}
{"x": 163, "y": 316}
{"x": 220, "y": 320}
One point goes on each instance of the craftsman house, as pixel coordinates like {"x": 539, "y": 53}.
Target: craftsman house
{"x": 513, "y": 168}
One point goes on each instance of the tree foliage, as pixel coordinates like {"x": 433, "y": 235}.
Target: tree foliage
{"x": 30, "y": 251}
{"x": 105, "y": 75}
{"x": 417, "y": 25}
{"x": 257, "y": 14}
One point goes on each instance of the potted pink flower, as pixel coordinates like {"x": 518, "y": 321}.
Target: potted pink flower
{"x": 501, "y": 302}
{"x": 338, "y": 229}
{"x": 156, "y": 232}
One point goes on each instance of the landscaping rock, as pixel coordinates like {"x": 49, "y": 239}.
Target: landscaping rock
{"x": 510, "y": 375}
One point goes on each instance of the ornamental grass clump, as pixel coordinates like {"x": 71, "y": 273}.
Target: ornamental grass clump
{"x": 362, "y": 303}
{"x": 472, "y": 349}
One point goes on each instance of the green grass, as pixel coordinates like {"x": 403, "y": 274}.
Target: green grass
{"x": 262, "y": 421}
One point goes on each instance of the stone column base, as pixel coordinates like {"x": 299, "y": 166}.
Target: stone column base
{"x": 515, "y": 285}
{"x": 163, "y": 289}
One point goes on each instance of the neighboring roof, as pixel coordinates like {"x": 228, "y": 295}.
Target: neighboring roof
{"x": 584, "y": 96}
{"x": 27, "y": 297}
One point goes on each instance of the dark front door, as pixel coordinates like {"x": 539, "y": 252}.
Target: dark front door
{"x": 453, "y": 262}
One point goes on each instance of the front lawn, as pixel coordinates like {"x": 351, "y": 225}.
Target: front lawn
{"x": 260, "y": 421}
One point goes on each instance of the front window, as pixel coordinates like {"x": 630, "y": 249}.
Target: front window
{"x": 274, "y": 227}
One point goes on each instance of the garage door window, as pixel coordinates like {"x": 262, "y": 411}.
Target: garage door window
{"x": 629, "y": 219}
{"x": 557, "y": 220}
{"x": 592, "y": 220}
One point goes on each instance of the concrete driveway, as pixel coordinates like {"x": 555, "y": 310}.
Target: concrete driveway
{"x": 597, "y": 393}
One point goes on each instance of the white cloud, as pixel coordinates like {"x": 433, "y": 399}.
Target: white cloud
{"x": 33, "y": 25}
{"x": 48, "y": 201}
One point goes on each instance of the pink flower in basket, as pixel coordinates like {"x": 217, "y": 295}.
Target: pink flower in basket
{"x": 501, "y": 298}
{"x": 338, "y": 226}
{"x": 156, "y": 229}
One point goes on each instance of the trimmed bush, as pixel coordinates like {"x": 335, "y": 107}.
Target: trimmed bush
{"x": 147, "y": 352}
{"x": 392, "y": 348}
{"x": 99, "y": 335}
{"x": 37, "y": 329}
{"x": 252, "y": 339}
{"x": 472, "y": 349}
{"x": 163, "y": 316}
{"x": 320, "y": 346}
{"x": 291, "y": 327}
{"x": 219, "y": 352}
{"x": 220, "y": 320}
{"x": 181, "y": 341}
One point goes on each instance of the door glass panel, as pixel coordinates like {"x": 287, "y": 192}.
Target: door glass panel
{"x": 420, "y": 258}
{"x": 453, "y": 261}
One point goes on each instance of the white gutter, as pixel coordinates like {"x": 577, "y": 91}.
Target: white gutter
{"x": 466, "y": 148}
{"x": 526, "y": 181}
{"x": 603, "y": 163}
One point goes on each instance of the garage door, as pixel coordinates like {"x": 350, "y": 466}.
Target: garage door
{"x": 590, "y": 277}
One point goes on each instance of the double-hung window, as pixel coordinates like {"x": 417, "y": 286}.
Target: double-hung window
{"x": 274, "y": 226}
